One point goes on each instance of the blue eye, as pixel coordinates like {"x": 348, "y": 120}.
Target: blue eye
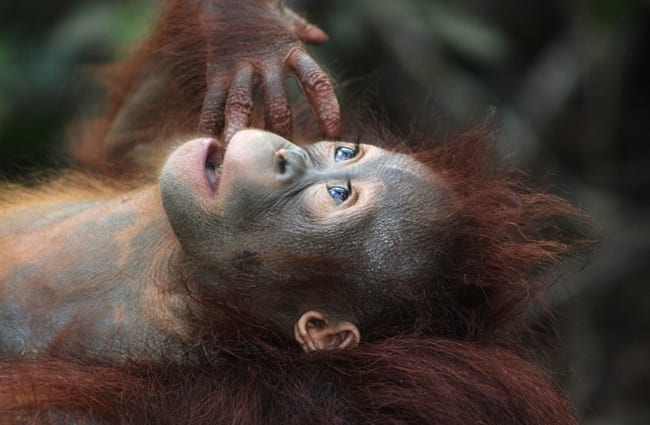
{"x": 339, "y": 194}
{"x": 343, "y": 154}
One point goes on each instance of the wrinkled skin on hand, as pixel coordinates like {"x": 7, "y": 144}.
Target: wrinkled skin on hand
{"x": 264, "y": 49}
{"x": 200, "y": 70}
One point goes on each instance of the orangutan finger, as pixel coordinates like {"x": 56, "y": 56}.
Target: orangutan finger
{"x": 308, "y": 33}
{"x": 319, "y": 90}
{"x": 239, "y": 105}
{"x": 212, "y": 118}
{"x": 277, "y": 112}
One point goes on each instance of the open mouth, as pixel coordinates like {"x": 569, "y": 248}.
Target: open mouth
{"x": 213, "y": 163}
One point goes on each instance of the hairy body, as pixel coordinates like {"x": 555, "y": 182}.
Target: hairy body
{"x": 90, "y": 270}
{"x": 114, "y": 247}
{"x": 154, "y": 347}
{"x": 126, "y": 291}
{"x": 262, "y": 281}
{"x": 198, "y": 73}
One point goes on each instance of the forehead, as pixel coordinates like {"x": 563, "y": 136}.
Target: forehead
{"x": 407, "y": 204}
{"x": 396, "y": 180}
{"x": 401, "y": 178}
{"x": 400, "y": 204}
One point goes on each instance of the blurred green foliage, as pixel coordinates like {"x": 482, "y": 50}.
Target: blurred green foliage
{"x": 45, "y": 76}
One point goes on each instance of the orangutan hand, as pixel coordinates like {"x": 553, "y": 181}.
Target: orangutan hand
{"x": 258, "y": 44}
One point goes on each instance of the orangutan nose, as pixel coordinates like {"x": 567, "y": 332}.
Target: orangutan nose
{"x": 290, "y": 164}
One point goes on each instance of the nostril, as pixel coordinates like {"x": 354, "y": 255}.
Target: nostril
{"x": 281, "y": 162}
{"x": 289, "y": 164}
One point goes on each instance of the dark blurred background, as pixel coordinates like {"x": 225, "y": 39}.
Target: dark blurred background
{"x": 568, "y": 84}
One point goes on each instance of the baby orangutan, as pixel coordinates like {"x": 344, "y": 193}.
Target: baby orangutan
{"x": 259, "y": 279}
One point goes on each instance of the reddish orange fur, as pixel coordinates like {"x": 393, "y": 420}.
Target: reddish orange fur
{"x": 177, "y": 49}
{"x": 447, "y": 352}
{"x": 400, "y": 380}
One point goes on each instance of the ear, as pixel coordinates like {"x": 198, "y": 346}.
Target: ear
{"x": 315, "y": 331}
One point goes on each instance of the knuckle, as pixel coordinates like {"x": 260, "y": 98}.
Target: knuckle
{"x": 330, "y": 124}
{"x": 211, "y": 120}
{"x": 240, "y": 99}
{"x": 318, "y": 82}
{"x": 328, "y": 109}
{"x": 293, "y": 56}
{"x": 330, "y": 119}
{"x": 278, "y": 110}
{"x": 206, "y": 123}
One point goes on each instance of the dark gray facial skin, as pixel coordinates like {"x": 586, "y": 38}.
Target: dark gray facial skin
{"x": 370, "y": 210}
